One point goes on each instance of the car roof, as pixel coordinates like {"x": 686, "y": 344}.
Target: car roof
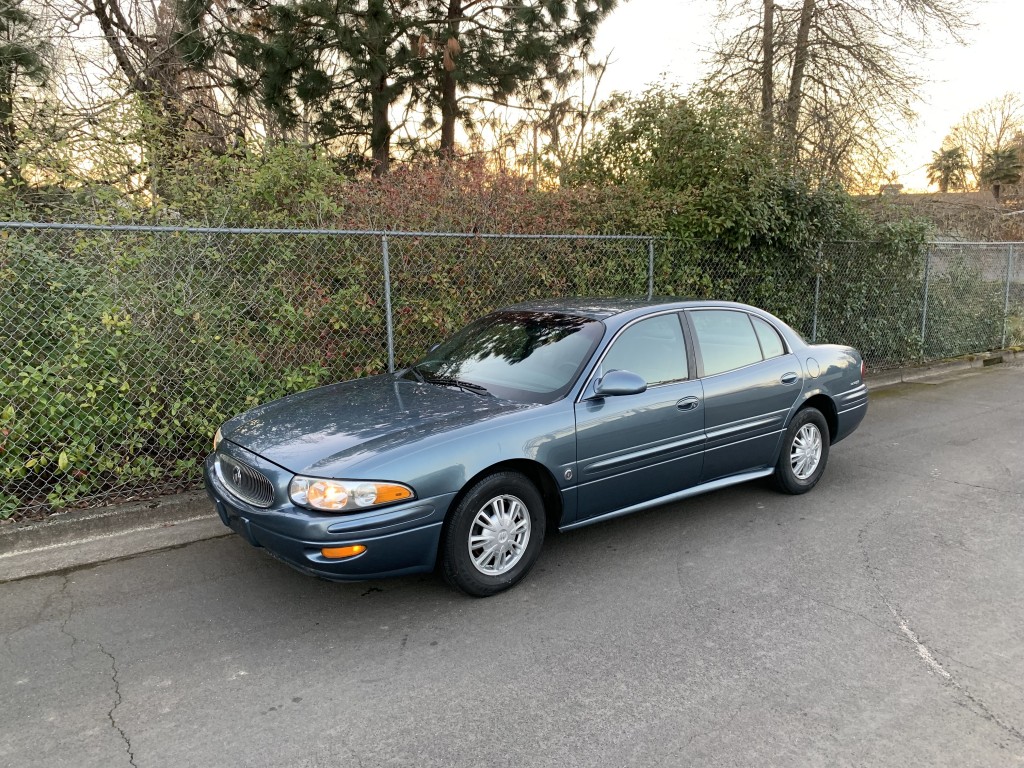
{"x": 600, "y": 308}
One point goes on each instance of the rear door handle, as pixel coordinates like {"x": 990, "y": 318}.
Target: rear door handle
{"x": 789, "y": 378}
{"x": 687, "y": 403}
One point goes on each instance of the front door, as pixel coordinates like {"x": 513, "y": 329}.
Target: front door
{"x": 634, "y": 448}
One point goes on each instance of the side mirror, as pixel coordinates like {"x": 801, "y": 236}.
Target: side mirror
{"x": 620, "y": 383}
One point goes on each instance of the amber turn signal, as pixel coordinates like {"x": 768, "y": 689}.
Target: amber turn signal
{"x": 340, "y": 553}
{"x": 387, "y": 493}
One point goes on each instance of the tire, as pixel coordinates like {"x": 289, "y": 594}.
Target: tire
{"x": 482, "y": 560}
{"x": 804, "y": 453}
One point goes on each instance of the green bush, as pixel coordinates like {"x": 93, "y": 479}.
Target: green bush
{"x": 744, "y": 226}
{"x": 122, "y": 352}
{"x": 965, "y": 309}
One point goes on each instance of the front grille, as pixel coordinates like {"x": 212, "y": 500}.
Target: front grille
{"x": 246, "y": 483}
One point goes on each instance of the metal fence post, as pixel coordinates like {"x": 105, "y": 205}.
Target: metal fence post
{"x": 389, "y": 321}
{"x": 817, "y": 296}
{"x": 814, "y": 320}
{"x": 650, "y": 269}
{"x": 1006, "y": 294}
{"x": 924, "y": 306}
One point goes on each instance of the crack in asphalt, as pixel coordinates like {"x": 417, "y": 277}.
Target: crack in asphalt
{"x": 37, "y": 618}
{"x": 45, "y": 606}
{"x": 978, "y": 707}
{"x": 892, "y": 471}
{"x": 839, "y": 608}
{"x": 117, "y": 703}
{"x": 707, "y": 732}
{"x": 113, "y": 666}
{"x": 940, "y": 652}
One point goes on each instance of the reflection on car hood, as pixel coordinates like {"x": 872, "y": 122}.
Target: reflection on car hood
{"x": 341, "y": 424}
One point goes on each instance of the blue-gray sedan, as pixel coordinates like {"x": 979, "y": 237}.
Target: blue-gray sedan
{"x": 543, "y": 416}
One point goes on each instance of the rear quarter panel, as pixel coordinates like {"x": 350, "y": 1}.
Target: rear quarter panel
{"x": 834, "y": 371}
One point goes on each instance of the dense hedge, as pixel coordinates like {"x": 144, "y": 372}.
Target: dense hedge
{"x": 122, "y": 352}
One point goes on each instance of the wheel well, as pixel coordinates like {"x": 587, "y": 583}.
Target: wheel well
{"x": 536, "y": 473}
{"x": 828, "y": 409}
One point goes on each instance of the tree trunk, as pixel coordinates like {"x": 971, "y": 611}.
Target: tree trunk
{"x": 449, "y": 114}
{"x": 796, "y": 81}
{"x": 449, "y": 92}
{"x": 768, "y": 70}
{"x": 10, "y": 172}
{"x": 380, "y": 97}
{"x": 380, "y": 130}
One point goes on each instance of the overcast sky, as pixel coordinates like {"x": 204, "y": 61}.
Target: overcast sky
{"x": 649, "y": 38}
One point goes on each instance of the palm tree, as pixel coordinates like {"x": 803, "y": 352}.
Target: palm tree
{"x": 948, "y": 168}
{"x": 1001, "y": 166}
{"x": 22, "y": 55}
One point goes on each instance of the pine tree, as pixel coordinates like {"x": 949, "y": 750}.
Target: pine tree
{"x": 22, "y": 57}
{"x": 343, "y": 67}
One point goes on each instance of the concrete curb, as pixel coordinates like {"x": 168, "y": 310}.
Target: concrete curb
{"x": 77, "y": 539}
{"x": 967, "y": 362}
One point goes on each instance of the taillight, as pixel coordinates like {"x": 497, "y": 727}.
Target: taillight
{"x": 863, "y": 369}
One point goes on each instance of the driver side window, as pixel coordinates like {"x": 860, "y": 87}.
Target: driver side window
{"x": 653, "y": 348}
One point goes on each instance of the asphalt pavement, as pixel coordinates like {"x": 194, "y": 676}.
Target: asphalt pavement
{"x": 877, "y": 621}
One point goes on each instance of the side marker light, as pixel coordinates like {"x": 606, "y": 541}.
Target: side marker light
{"x": 340, "y": 553}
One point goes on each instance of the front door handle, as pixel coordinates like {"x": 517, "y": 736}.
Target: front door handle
{"x": 687, "y": 403}
{"x": 789, "y": 378}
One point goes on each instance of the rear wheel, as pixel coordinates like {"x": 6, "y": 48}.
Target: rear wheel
{"x": 494, "y": 536}
{"x": 804, "y": 453}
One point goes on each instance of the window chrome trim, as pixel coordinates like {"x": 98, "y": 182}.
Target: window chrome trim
{"x": 597, "y": 366}
{"x": 696, "y": 341}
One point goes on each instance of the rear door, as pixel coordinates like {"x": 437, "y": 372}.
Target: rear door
{"x": 633, "y": 448}
{"x": 751, "y": 381}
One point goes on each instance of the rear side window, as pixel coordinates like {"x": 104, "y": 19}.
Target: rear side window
{"x": 652, "y": 348}
{"x": 727, "y": 340}
{"x": 771, "y": 344}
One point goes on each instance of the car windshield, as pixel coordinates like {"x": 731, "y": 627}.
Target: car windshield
{"x": 533, "y": 357}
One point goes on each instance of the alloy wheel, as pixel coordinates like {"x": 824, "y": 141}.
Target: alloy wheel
{"x": 499, "y": 535}
{"x": 805, "y": 452}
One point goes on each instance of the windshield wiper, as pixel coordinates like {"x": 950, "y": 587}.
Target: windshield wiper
{"x": 465, "y": 386}
{"x": 415, "y": 372}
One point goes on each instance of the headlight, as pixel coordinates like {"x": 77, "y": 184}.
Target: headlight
{"x": 345, "y": 495}
{"x": 217, "y": 438}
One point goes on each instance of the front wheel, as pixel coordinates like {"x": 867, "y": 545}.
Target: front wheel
{"x": 804, "y": 453}
{"x": 494, "y": 536}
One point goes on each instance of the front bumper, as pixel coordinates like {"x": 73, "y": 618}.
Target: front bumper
{"x": 399, "y": 540}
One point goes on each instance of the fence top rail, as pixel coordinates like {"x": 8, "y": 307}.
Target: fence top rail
{"x": 936, "y": 243}
{"x": 299, "y": 231}
{"x": 973, "y": 244}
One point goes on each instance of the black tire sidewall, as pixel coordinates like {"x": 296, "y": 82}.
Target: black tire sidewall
{"x": 456, "y": 565}
{"x": 784, "y": 477}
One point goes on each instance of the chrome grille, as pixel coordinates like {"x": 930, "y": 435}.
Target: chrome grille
{"x": 246, "y": 483}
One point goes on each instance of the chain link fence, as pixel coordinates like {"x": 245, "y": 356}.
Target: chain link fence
{"x": 124, "y": 348}
{"x": 910, "y": 307}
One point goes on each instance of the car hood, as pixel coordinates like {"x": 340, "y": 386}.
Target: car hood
{"x": 322, "y": 429}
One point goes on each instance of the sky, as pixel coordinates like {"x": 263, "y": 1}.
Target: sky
{"x": 651, "y": 38}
